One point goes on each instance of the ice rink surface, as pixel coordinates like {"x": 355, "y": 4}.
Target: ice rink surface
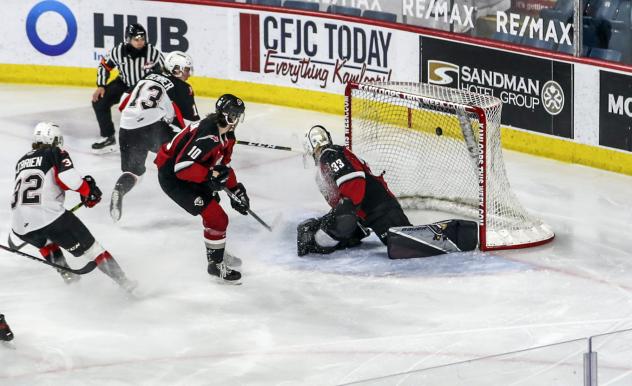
{"x": 327, "y": 320}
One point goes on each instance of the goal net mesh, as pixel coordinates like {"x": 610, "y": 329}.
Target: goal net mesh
{"x": 440, "y": 149}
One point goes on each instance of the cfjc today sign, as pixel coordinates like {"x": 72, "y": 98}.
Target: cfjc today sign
{"x": 315, "y": 51}
{"x": 170, "y": 33}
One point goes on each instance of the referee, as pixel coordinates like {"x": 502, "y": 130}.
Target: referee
{"x": 134, "y": 59}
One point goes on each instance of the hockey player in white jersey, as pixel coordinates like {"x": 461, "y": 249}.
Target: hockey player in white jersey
{"x": 39, "y": 218}
{"x": 157, "y": 105}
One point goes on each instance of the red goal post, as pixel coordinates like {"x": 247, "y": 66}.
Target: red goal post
{"x": 440, "y": 149}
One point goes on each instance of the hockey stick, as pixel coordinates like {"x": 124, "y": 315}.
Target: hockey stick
{"x": 267, "y": 146}
{"x": 253, "y": 214}
{"x": 18, "y": 247}
{"x": 83, "y": 270}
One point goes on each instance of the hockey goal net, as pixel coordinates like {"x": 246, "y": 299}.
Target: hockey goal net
{"x": 439, "y": 149}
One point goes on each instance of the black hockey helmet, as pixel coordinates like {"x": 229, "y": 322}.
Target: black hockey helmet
{"x": 135, "y": 30}
{"x": 230, "y": 109}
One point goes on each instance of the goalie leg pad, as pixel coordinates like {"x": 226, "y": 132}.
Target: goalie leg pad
{"x": 306, "y": 235}
{"x": 433, "y": 239}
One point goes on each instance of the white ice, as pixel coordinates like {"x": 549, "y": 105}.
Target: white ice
{"x": 327, "y": 320}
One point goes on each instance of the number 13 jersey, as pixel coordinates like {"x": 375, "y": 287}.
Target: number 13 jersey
{"x": 41, "y": 178}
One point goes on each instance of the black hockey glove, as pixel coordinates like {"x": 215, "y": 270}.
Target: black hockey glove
{"x": 243, "y": 204}
{"x": 94, "y": 194}
{"x": 218, "y": 182}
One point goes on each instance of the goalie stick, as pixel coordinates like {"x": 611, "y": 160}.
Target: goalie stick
{"x": 18, "y": 247}
{"x": 83, "y": 270}
{"x": 253, "y": 214}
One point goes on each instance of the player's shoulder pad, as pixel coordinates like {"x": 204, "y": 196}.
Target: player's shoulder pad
{"x": 182, "y": 87}
{"x": 58, "y": 152}
{"x": 331, "y": 153}
{"x": 207, "y": 130}
{"x": 160, "y": 79}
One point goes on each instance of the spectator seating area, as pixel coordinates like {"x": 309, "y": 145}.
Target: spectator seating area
{"x": 606, "y": 27}
{"x": 337, "y": 9}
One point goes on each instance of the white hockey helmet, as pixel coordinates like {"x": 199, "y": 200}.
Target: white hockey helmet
{"x": 177, "y": 61}
{"x": 48, "y": 133}
{"x": 316, "y": 137}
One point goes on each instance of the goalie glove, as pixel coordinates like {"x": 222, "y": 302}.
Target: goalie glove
{"x": 94, "y": 193}
{"x": 243, "y": 204}
{"x": 218, "y": 177}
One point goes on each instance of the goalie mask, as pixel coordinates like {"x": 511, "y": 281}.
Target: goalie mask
{"x": 177, "y": 63}
{"x": 230, "y": 109}
{"x": 315, "y": 138}
{"x": 48, "y": 133}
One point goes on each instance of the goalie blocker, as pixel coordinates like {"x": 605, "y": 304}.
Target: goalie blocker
{"x": 433, "y": 239}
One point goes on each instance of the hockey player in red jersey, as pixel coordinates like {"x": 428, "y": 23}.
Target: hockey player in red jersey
{"x": 38, "y": 216}
{"x": 359, "y": 199}
{"x": 194, "y": 166}
{"x": 157, "y": 104}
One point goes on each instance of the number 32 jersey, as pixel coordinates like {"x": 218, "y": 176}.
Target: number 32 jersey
{"x": 41, "y": 178}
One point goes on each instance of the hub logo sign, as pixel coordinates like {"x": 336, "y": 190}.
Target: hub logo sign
{"x": 167, "y": 34}
{"x": 49, "y": 48}
{"x": 615, "y": 110}
{"x": 534, "y": 91}
{"x": 316, "y": 51}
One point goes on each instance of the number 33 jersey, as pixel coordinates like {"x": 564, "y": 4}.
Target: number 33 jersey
{"x": 41, "y": 178}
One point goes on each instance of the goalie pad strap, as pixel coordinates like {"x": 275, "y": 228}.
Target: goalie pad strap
{"x": 433, "y": 239}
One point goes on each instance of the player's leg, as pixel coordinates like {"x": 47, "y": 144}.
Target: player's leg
{"x": 103, "y": 111}
{"x": 161, "y": 133}
{"x": 72, "y": 235}
{"x": 433, "y": 239}
{"x": 134, "y": 149}
{"x": 382, "y": 220}
{"x": 50, "y": 251}
{"x": 197, "y": 200}
{"x": 6, "y": 334}
{"x": 215, "y": 222}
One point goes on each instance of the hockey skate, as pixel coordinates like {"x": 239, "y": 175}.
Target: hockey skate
{"x": 59, "y": 259}
{"x": 105, "y": 145}
{"x": 129, "y": 286}
{"x": 116, "y": 204}
{"x": 223, "y": 273}
{"x": 6, "y": 334}
{"x": 68, "y": 277}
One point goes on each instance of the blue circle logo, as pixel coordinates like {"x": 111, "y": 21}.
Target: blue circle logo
{"x": 31, "y": 30}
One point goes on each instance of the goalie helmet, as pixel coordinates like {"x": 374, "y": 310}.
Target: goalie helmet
{"x": 230, "y": 109}
{"x": 134, "y": 30}
{"x": 177, "y": 62}
{"x": 316, "y": 137}
{"x": 48, "y": 133}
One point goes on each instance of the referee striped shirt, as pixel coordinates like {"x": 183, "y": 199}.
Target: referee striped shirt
{"x": 132, "y": 64}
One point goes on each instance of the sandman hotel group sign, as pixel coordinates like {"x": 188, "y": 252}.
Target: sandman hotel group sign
{"x": 536, "y": 93}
